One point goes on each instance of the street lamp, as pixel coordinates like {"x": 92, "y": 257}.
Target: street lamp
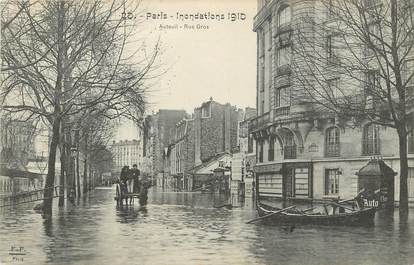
{"x": 74, "y": 153}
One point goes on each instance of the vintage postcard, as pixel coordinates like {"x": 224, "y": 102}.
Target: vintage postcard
{"x": 207, "y": 132}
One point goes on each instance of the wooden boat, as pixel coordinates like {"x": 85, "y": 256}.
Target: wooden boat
{"x": 292, "y": 215}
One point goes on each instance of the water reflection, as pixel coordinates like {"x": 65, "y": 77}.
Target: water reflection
{"x": 186, "y": 228}
{"x": 130, "y": 213}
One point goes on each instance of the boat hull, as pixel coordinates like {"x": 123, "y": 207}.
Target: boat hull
{"x": 363, "y": 217}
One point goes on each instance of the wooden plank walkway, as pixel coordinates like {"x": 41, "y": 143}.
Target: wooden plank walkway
{"x": 27, "y": 197}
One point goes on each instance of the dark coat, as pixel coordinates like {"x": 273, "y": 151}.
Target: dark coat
{"x": 124, "y": 175}
{"x": 134, "y": 174}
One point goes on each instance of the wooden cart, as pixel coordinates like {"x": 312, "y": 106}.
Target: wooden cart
{"x": 122, "y": 194}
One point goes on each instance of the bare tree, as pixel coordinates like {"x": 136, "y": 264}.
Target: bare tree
{"x": 354, "y": 58}
{"x": 86, "y": 67}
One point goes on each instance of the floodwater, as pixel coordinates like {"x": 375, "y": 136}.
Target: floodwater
{"x": 185, "y": 228}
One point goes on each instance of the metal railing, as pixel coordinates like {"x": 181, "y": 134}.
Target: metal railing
{"x": 259, "y": 121}
{"x": 28, "y": 196}
{"x": 281, "y": 111}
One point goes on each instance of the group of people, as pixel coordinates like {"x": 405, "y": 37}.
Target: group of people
{"x": 131, "y": 178}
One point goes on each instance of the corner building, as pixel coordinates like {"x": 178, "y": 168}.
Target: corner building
{"x": 300, "y": 154}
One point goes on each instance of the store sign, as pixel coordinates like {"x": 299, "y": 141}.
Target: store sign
{"x": 268, "y": 168}
{"x": 371, "y": 203}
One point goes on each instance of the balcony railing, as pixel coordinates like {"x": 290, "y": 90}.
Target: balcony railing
{"x": 281, "y": 111}
{"x": 289, "y": 152}
{"x": 259, "y": 122}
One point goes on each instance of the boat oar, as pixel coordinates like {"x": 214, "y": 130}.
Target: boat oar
{"x": 309, "y": 209}
{"x": 348, "y": 200}
{"x": 270, "y": 214}
{"x": 224, "y": 205}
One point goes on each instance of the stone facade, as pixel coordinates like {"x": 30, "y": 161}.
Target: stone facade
{"x": 162, "y": 123}
{"x": 300, "y": 153}
{"x": 215, "y": 127}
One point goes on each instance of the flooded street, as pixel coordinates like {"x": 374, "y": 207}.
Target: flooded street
{"x": 185, "y": 228}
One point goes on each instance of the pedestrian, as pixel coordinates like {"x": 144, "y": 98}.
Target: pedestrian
{"x": 134, "y": 174}
{"x": 129, "y": 179}
{"x": 124, "y": 178}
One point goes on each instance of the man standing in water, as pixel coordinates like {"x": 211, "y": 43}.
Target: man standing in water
{"x": 134, "y": 174}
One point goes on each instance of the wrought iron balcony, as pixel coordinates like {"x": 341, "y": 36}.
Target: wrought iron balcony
{"x": 281, "y": 111}
{"x": 259, "y": 121}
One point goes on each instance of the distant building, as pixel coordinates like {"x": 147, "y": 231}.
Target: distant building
{"x": 16, "y": 142}
{"x": 162, "y": 125}
{"x": 16, "y": 151}
{"x": 241, "y": 177}
{"x": 211, "y": 132}
{"x": 148, "y": 146}
{"x": 181, "y": 155}
{"x": 215, "y": 128}
{"x": 127, "y": 153}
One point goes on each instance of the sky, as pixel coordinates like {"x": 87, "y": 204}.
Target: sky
{"x": 200, "y": 58}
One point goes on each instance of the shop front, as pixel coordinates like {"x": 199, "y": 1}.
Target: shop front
{"x": 284, "y": 180}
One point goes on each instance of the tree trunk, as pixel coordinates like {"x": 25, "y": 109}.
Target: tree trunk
{"x": 50, "y": 178}
{"x": 62, "y": 176}
{"x": 78, "y": 186}
{"x": 85, "y": 175}
{"x": 70, "y": 181}
{"x": 85, "y": 167}
{"x": 91, "y": 178}
{"x": 403, "y": 172}
{"x": 62, "y": 151}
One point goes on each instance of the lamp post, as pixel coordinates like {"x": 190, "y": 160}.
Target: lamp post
{"x": 74, "y": 153}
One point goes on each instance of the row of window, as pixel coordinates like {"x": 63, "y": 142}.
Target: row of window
{"x": 283, "y": 51}
{"x": 371, "y": 86}
{"x": 371, "y": 144}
